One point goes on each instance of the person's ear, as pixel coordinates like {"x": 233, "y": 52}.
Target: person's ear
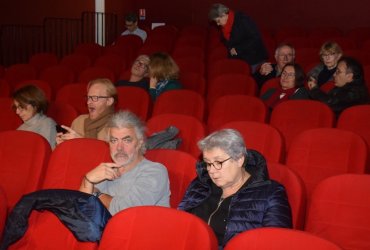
{"x": 110, "y": 101}
{"x": 240, "y": 161}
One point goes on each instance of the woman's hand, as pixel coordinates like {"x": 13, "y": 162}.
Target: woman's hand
{"x": 233, "y": 52}
{"x": 311, "y": 83}
{"x": 153, "y": 82}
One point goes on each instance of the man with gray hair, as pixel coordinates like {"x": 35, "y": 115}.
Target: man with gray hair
{"x": 130, "y": 180}
{"x": 284, "y": 54}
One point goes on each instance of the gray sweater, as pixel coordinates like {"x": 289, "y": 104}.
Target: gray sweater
{"x": 42, "y": 125}
{"x": 146, "y": 184}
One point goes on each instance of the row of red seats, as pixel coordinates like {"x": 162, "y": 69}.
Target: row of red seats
{"x": 66, "y": 167}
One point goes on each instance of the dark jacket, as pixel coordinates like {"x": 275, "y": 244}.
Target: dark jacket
{"x": 340, "y": 98}
{"x": 246, "y": 39}
{"x": 261, "y": 203}
{"x": 261, "y": 79}
{"x": 83, "y": 214}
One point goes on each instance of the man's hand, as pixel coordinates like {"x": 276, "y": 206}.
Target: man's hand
{"x": 312, "y": 83}
{"x": 233, "y": 52}
{"x": 266, "y": 68}
{"x": 71, "y": 134}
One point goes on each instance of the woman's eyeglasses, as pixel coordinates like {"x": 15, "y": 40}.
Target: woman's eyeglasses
{"x": 216, "y": 164}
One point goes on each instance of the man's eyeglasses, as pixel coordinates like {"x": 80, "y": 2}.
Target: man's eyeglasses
{"x": 95, "y": 98}
{"x": 216, "y": 164}
{"x": 141, "y": 64}
{"x": 19, "y": 107}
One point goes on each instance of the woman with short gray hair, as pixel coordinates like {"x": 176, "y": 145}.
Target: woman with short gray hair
{"x": 233, "y": 192}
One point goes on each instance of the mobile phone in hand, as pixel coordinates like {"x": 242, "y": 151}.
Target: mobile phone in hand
{"x": 60, "y": 129}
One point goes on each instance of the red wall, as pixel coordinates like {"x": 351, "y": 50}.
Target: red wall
{"x": 269, "y": 13}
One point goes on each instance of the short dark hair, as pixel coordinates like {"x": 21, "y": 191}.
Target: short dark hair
{"x": 299, "y": 74}
{"x": 131, "y": 17}
{"x": 30, "y": 94}
{"x": 354, "y": 67}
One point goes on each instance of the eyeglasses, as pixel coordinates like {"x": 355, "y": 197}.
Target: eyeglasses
{"x": 286, "y": 74}
{"x": 216, "y": 164}
{"x": 328, "y": 55}
{"x": 285, "y": 55}
{"x": 141, "y": 64}
{"x": 95, "y": 98}
{"x": 338, "y": 71}
{"x": 19, "y": 107}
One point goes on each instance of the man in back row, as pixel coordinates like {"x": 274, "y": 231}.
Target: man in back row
{"x": 284, "y": 54}
{"x": 131, "y": 180}
{"x": 131, "y": 21}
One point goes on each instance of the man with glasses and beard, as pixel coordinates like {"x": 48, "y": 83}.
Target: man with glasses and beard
{"x": 130, "y": 180}
{"x": 101, "y": 98}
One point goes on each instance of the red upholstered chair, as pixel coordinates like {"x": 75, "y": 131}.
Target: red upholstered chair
{"x": 279, "y": 239}
{"x": 3, "y": 210}
{"x": 76, "y": 62}
{"x": 20, "y": 72}
{"x": 181, "y": 170}
{"x": 230, "y": 84}
{"x": 92, "y": 50}
{"x": 190, "y": 64}
{"x": 272, "y": 83}
{"x": 294, "y": 116}
{"x": 74, "y": 94}
{"x": 339, "y": 211}
{"x": 356, "y": 119}
{"x": 135, "y": 99}
{"x": 316, "y": 154}
{"x": 24, "y": 156}
{"x": 230, "y": 108}
{"x": 69, "y": 162}
{"x": 289, "y": 31}
{"x": 113, "y": 62}
{"x": 9, "y": 119}
{"x": 191, "y": 130}
{"x": 94, "y": 72}
{"x": 227, "y": 66}
{"x": 181, "y": 51}
{"x": 294, "y": 188}
{"x": 219, "y": 51}
{"x": 261, "y": 137}
{"x": 62, "y": 113}
{"x": 127, "y": 47}
{"x": 4, "y": 88}
{"x": 150, "y": 227}
{"x": 193, "y": 81}
{"x": 181, "y": 101}
{"x": 41, "y": 84}
{"x": 42, "y": 61}
{"x": 57, "y": 76}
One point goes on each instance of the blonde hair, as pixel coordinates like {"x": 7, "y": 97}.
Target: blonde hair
{"x": 109, "y": 86}
{"x": 330, "y": 47}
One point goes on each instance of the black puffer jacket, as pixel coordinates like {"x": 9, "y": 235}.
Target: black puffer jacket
{"x": 261, "y": 203}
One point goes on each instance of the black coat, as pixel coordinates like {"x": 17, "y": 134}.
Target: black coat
{"x": 83, "y": 214}
{"x": 340, "y": 98}
{"x": 246, "y": 40}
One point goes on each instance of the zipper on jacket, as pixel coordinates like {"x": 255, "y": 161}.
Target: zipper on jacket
{"x": 218, "y": 206}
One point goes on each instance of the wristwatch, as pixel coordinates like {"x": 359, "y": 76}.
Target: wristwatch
{"x": 97, "y": 194}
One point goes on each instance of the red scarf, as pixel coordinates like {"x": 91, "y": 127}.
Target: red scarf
{"x": 226, "y": 30}
{"x": 279, "y": 96}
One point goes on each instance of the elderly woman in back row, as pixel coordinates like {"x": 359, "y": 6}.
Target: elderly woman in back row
{"x": 330, "y": 53}
{"x": 30, "y": 104}
{"x": 233, "y": 192}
